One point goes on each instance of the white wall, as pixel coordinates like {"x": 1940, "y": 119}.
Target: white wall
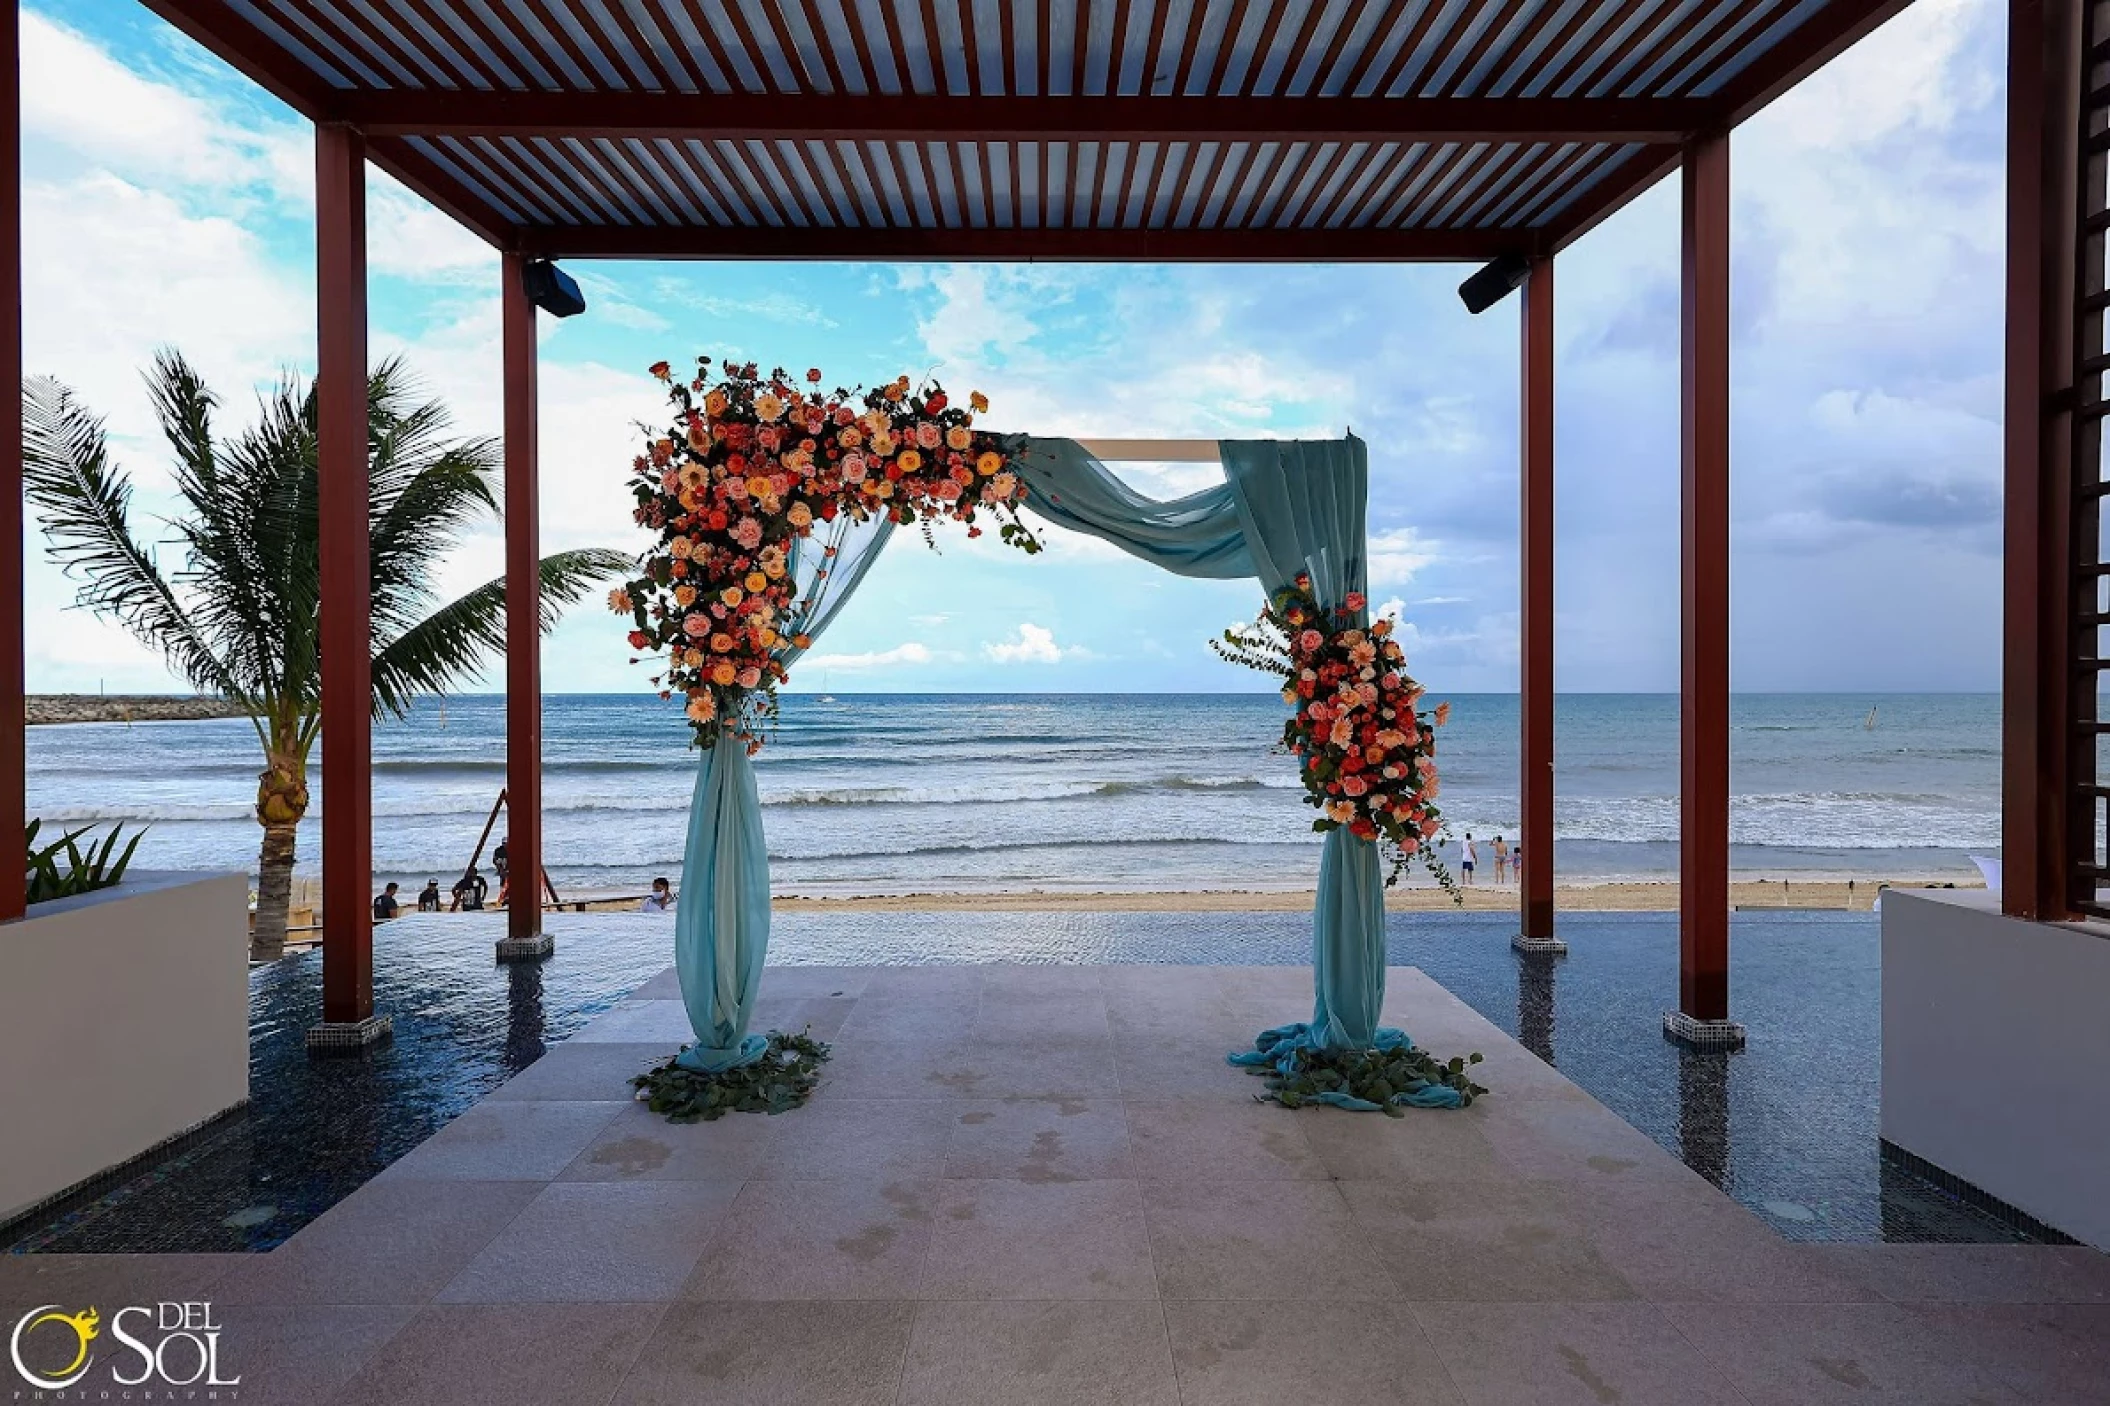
{"x": 1996, "y": 1053}
{"x": 124, "y": 1019}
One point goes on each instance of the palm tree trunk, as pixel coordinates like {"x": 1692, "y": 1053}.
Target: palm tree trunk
{"x": 274, "y": 893}
{"x": 281, "y": 800}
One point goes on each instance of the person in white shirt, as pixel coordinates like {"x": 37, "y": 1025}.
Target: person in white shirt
{"x": 660, "y": 900}
{"x": 1469, "y": 858}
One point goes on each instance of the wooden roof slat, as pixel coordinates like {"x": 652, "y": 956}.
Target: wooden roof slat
{"x": 1317, "y": 191}
{"x": 1659, "y": 41}
{"x": 971, "y": 45}
{"x": 1368, "y": 211}
{"x": 1485, "y": 181}
{"x": 639, "y": 114}
{"x": 1383, "y": 25}
{"x": 1194, "y": 186}
{"x": 628, "y": 48}
{"x": 413, "y": 65}
{"x": 467, "y": 201}
{"x": 319, "y": 37}
{"x": 1547, "y": 175}
{"x": 1525, "y": 62}
{"x": 823, "y": 43}
{"x": 1353, "y": 191}
{"x": 860, "y": 44}
{"x": 1497, "y": 42}
{"x": 680, "y": 160}
{"x": 496, "y": 158}
{"x": 1611, "y": 48}
{"x": 1093, "y": 245}
{"x": 528, "y": 58}
{"x": 979, "y": 127}
{"x": 1298, "y": 49}
{"x": 443, "y": 34}
{"x": 659, "y": 33}
{"x": 1703, "y": 62}
{"x": 733, "y": 158}
{"x": 590, "y": 67}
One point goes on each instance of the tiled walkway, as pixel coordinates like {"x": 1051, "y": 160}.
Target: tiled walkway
{"x": 1036, "y": 1185}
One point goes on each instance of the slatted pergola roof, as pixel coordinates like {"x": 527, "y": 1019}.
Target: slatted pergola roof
{"x": 1318, "y": 130}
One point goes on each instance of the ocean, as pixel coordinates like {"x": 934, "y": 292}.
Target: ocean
{"x": 889, "y": 794}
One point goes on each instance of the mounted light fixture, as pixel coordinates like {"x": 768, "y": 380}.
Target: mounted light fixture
{"x": 1494, "y": 283}
{"x": 552, "y": 289}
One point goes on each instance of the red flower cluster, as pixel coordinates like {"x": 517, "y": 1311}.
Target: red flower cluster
{"x": 753, "y": 468}
{"x": 1367, "y": 756}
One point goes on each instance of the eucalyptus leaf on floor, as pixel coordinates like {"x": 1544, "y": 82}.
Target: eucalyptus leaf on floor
{"x": 781, "y": 1080}
{"x": 1388, "y": 1079}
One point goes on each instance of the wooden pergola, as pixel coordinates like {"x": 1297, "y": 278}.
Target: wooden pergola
{"x": 1312, "y": 131}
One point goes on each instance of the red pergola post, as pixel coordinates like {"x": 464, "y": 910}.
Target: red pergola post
{"x": 13, "y": 766}
{"x": 1536, "y": 602}
{"x": 2040, "y": 850}
{"x": 1703, "y": 824}
{"x": 524, "y": 935}
{"x": 347, "y": 659}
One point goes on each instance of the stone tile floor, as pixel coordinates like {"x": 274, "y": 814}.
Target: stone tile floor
{"x": 1028, "y": 1185}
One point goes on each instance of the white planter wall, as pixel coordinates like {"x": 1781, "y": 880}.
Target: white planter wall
{"x": 124, "y": 1020}
{"x": 1996, "y": 1053}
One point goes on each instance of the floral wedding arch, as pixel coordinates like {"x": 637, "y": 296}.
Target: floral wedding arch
{"x": 771, "y": 500}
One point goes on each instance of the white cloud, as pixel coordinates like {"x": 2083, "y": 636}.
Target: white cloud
{"x": 909, "y": 653}
{"x": 1397, "y": 553}
{"x": 78, "y": 96}
{"x": 1035, "y": 645}
{"x": 1391, "y": 609}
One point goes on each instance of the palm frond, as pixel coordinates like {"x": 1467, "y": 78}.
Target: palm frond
{"x": 456, "y": 641}
{"x": 423, "y": 525}
{"x": 229, "y": 591}
{"x": 85, "y": 503}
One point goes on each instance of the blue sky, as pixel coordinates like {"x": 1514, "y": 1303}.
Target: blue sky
{"x": 167, "y": 201}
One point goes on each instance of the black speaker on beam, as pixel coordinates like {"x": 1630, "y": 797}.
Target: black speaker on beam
{"x": 552, "y": 289}
{"x": 1494, "y": 283}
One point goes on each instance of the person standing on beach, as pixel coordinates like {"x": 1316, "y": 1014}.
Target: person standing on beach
{"x": 1501, "y": 862}
{"x": 1469, "y": 858}
{"x": 385, "y": 906}
{"x": 429, "y": 897}
{"x": 498, "y": 862}
{"x": 469, "y": 891}
{"x": 660, "y": 900}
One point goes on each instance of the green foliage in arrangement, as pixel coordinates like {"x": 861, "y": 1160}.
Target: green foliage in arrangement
{"x": 781, "y": 1080}
{"x": 62, "y": 868}
{"x": 1378, "y": 1076}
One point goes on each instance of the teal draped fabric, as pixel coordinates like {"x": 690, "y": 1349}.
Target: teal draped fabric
{"x": 721, "y": 921}
{"x": 1199, "y": 535}
{"x": 1302, "y": 507}
{"x": 1287, "y": 506}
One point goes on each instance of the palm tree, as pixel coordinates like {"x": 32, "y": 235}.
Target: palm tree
{"x": 239, "y": 616}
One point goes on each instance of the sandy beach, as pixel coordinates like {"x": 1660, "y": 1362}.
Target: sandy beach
{"x": 1614, "y": 897}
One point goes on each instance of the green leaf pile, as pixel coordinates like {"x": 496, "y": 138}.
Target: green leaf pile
{"x": 781, "y": 1080}
{"x": 1374, "y": 1075}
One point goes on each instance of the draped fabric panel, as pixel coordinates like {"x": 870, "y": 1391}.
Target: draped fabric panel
{"x": 1199, "y": 535}
{"x": 721, "y": 922}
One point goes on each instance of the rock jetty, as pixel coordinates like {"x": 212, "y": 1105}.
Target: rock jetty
{"x": 124, "y": 708}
